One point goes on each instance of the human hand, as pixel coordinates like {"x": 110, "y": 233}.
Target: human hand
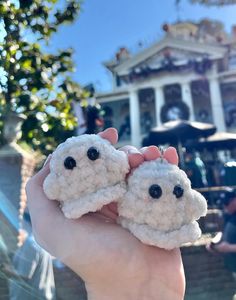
{"x": 225, "y": 247}
{"x": 231, "y": 207}
{"x": 111, "y": 261}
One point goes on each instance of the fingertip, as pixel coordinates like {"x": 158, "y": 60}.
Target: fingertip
{"x": 47, "y": 160}
{"x": 135, "y": 158}
{"x": 39, "y": 177}
{"x": 151, "y": 153}
{"x": 134, "y": 155}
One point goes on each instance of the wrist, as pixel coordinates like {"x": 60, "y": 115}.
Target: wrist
{"x": 120, "y": 294}
{"x": 114, "y": 296}
{"x": 139, "y": 291}
{"x": 122, "y": 290}
{"x": 140, "y": 280}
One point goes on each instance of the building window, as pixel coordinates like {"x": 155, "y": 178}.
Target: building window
{"x": 201, "y": 101}
{"x": 147, "y": 110}
{"x": 172, "y": 93}
{"x": 117, "y": 114}
{"x": 228, "y": 92}
{"x": 232, "y": 62}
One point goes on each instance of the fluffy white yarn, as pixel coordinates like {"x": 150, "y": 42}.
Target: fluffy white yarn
{"x": 167, "y": 221}
{"x": 91, "y": 183}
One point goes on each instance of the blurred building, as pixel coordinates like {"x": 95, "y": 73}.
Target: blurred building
{"x": 189, "y": 74}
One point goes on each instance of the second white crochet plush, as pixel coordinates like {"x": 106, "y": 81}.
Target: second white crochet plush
{"x": 86, "y": 173}
{"x": 160, "y": 208}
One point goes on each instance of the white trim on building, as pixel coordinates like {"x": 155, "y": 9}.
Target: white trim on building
{"x": 183, "y": 51}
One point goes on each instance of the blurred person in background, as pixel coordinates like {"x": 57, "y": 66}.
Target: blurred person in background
{"x": 195, "y": 170}
{"x": 34, "y": 266}
{"x": 227, "y": 242}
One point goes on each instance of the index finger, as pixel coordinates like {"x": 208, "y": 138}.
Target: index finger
{"x": 150, "y": 153}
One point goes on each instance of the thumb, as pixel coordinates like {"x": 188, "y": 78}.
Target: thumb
{"x": 38, "y": 178}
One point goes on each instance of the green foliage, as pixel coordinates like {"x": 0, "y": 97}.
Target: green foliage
{"x": 33, "y": 82}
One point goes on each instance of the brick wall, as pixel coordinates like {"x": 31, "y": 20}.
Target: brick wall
{"x": 206, "y": 276}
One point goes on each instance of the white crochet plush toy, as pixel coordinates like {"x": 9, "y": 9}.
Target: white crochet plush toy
{"x": 86, "y": 173}
{"x": 160, "y": 208}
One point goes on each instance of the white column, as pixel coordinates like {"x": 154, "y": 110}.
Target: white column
{"x": 187, "y": 98}
{"x": 135, "y": 118}
{"x": 216, "y": 104}
{"x": 159, "y": 102}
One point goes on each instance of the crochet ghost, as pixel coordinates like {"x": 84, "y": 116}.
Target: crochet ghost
{"x": 86, "y": 173}
{"x": 160, "y": 208}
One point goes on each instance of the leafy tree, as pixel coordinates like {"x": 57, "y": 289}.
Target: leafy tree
{"x": 33, "y": 82}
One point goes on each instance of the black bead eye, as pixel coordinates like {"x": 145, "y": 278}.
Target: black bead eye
{"x": 178, "y": 191}
{"x": 93, "y": 153}
{"x": 69, "y": 163}
{"x": 155, "y": 191}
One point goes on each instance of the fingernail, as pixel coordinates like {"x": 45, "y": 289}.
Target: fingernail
{"x": 47, "y": 160}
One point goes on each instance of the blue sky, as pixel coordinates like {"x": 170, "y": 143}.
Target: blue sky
{"x": 106, "y": 25}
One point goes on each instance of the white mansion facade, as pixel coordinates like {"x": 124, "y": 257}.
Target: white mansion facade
{"x": 189, "y": 74}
